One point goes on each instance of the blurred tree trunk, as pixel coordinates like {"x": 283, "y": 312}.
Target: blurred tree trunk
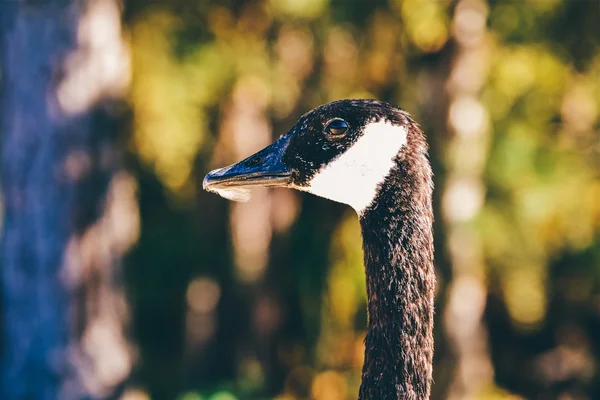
{"x": 70, "y": 213}
{"x": 463, "y": 199}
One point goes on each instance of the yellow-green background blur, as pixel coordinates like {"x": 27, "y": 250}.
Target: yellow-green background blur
{"x": 266, "y": 299}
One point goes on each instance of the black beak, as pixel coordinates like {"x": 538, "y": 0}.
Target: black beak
{"x": 264, "y": 168}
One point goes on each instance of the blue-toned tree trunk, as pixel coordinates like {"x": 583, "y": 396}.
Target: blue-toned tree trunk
{"x": 62, "y": 311}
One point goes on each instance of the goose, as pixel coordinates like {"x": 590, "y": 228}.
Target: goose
{"x": 372, "y": 156}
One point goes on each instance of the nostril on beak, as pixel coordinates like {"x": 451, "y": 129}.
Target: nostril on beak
{"x": 254, "y": 161}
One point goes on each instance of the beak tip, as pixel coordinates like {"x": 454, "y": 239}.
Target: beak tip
{"x": 205, "y": 181}
{"x": 211, "y": 178}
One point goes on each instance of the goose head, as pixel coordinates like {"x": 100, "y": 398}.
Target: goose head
{"x": 342, "y": 151}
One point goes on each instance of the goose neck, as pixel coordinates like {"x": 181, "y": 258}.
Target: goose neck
{"x": 398, "y": 251}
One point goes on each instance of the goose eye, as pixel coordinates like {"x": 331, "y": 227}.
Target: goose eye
{"x": 337, "y": 127}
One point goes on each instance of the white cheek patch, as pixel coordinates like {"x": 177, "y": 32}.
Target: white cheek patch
{"x": 354, "y": 177}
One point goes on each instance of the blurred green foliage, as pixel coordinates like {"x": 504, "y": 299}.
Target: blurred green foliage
{"x": 210, "y": 76}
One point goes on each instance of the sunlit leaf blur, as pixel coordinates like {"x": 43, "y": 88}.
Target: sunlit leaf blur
{"x": 267, "y": 299}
